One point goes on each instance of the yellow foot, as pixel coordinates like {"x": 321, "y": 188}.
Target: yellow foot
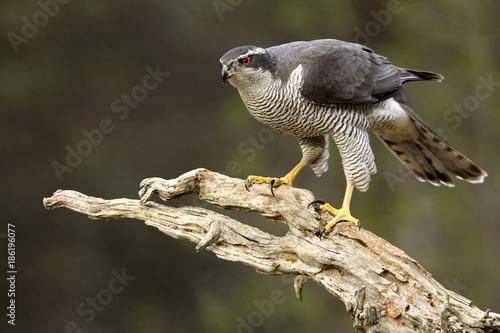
{"x": 341, "y": 215}
{"x": 272, "y": 181}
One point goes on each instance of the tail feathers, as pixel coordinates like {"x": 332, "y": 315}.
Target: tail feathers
{"x": 416, "y": 75}
{"x": 420, "y": 161}
{"x": 431, "y": 159}
{"x": 456, "y": 163}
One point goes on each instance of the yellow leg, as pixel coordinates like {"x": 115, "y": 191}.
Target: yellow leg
{"x": 288, "y": 179}
{"x": 342, "y": 214}
{"x": 275, "y": 182}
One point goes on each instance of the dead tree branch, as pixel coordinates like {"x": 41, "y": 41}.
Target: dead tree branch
{"x": 384, "y": 290}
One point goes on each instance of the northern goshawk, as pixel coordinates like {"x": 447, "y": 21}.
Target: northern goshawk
{"x": 329, "y": 87}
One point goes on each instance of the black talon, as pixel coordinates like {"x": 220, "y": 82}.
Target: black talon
{"x": 322, "y": 233}
{"x": 316, "y": 201}
{"x": 246, "y": 184}
{"x": 271, "y": 183}
{"x": 359, "y": 225}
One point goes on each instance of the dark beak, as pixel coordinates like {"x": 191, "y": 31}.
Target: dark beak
{"x": 226, "y": 74}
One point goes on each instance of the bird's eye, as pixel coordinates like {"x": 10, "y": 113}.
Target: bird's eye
{"x": 245, "y": 61}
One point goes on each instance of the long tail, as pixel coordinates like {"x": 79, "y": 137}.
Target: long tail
{"x": 430, "y": 159}
{"x": 417, "y": 75}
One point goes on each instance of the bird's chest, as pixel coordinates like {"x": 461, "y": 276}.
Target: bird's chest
{"x": 282, "y": 110}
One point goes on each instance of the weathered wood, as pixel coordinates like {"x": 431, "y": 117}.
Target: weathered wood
{"x": 384, "y": 290}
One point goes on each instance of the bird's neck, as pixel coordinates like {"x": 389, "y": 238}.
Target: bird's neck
{"x": 252, "y": 88}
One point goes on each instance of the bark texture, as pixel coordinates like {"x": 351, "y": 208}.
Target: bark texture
{"x": 383, "y": 289}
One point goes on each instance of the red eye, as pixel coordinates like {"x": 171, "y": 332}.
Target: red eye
{"x": 245, "y": 61}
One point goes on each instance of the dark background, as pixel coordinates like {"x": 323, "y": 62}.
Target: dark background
{"x": 64, "y": 78}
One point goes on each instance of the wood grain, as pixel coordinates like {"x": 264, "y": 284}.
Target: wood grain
{"x": 383, "y": 289}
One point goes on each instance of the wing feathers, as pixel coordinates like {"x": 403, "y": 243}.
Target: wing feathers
{"x": 337, "y": 72}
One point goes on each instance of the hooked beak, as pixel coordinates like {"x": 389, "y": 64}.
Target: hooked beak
{"x": 227, "y": 73}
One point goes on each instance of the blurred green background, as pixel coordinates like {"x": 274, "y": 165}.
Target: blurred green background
{"x": 65, "y": 76}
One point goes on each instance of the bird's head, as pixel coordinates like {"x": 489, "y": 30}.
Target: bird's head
{"x": 245, "y": 65}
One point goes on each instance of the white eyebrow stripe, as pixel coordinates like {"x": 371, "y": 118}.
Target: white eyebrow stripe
{"x": 252, "y": 52}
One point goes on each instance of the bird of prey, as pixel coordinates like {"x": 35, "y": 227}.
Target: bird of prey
{"x": 330, "y": 87}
